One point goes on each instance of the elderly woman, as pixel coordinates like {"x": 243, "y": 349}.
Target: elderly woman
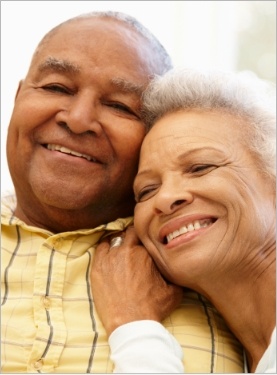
{"x": 205, "y": 193}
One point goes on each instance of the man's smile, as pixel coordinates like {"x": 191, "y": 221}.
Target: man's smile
{"x": 65, "y": 150}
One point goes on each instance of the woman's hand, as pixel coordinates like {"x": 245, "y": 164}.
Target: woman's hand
{"x": 127, "y": 286}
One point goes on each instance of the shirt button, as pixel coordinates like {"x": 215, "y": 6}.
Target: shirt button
{"x": 46, "y": 302}
{"x": 38, "y": 364}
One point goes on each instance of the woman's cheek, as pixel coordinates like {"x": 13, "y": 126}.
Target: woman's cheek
{"x": 141, "y": 222}
{"x": 137, "y": 220}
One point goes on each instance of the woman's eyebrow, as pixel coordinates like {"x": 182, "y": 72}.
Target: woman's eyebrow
{"x": 197, "y": 150}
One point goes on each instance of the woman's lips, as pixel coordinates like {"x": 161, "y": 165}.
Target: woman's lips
{"x": 190, "y": 227}
{"x": 184, "y": 226}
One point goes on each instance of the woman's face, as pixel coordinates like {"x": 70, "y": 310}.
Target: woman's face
{"x": 203, "y": 208}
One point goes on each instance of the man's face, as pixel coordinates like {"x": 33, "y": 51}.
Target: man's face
{"x": 75, "y": 132}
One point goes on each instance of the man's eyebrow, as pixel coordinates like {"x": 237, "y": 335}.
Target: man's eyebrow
{"x": 65, "y": 66}
{"x": 58, "y": 65}
{"x": 127, "y": 86}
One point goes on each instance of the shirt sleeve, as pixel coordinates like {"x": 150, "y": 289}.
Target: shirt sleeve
{"x": 267, "y": 363}
{"x": 145, "y": 346}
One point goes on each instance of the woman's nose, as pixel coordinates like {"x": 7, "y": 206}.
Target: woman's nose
{"x": 81, "y": 116}
{"x": 168, "y": 202}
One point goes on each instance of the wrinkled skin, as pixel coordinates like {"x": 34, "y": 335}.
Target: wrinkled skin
{"x": 127, "y": 285}
{"x": 82, "y": 92}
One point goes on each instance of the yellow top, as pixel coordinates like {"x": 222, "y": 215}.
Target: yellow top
{"x": 49, "y": 323}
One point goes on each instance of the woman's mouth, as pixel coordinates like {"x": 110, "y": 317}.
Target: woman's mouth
{"x": 190, "y": 227}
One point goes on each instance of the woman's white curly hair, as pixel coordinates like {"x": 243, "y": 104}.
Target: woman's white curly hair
{"x": 241, "y": 94}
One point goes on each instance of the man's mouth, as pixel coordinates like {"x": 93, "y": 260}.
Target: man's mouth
{"x": 190, "y": 227}
{"x": 68, "y": 151}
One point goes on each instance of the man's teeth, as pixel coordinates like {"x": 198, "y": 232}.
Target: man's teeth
{"x": 197, "y": 224}
{"x": 66, "y": 150}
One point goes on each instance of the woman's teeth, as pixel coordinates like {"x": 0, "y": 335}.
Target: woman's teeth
{"x": 197, "y": 224}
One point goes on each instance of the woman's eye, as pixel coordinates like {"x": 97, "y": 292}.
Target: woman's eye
{"x": 141, "y": 195}
{"x": 145, "y": 194}
{"x": 57, "y": 89}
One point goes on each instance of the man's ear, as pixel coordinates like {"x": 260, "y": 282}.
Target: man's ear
{"x": 18, "y": 88}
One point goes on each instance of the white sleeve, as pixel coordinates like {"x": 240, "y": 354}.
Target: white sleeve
{"x": 145, "y": 346}
{"x": 267, "y": 363}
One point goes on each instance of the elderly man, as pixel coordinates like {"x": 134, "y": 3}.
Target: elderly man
{"x": 73, "y": 145}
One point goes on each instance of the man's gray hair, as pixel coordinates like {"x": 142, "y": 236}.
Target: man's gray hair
{"x": 158, "y": 49}
{"x": 240, "y": 94}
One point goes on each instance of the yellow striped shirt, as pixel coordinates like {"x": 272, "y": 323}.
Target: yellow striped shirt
{"x": 49, "y": 323}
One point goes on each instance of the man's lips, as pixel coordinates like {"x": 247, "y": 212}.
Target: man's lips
{"x": 183, "y": 226}
{"x": 68, "y": 151}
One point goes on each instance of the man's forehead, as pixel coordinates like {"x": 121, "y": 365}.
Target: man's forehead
{"x": 49, "y": 57}
{"x": 105, "y": 26}
{"x": 101, "y": 24}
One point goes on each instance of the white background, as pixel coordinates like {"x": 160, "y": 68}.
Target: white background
{"x": 195, "y": 33}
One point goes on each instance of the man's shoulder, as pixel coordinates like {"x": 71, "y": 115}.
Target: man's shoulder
{"x": 8, "y": 204}
{"x": 208, "y": 344}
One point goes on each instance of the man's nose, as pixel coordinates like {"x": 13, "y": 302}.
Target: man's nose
{"x": 81, "y": 115}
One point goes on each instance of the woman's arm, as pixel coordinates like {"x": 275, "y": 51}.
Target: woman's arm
{"x": 145, "y": 346}
{"x": 132, "y": 298}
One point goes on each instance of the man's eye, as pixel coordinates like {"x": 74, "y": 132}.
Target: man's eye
{"x": 57, "y": 89}
{"x": 202, "y": 168}
{"x": 121, "y": 108}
